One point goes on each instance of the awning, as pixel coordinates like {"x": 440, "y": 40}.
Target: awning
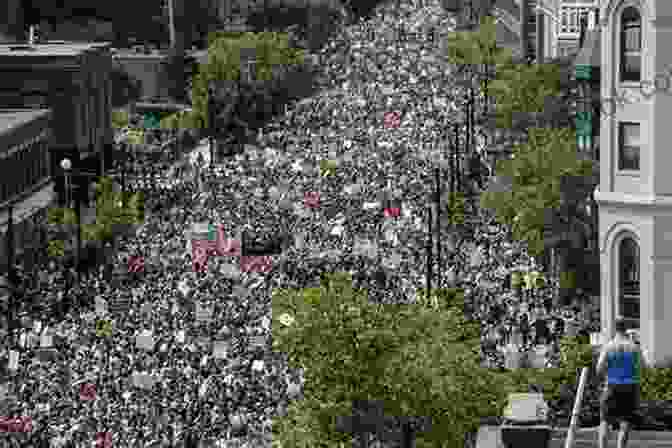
{"x": 587, "y": 62}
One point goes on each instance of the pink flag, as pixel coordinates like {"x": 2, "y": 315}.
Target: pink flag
{"x": 87, "y": 392}
{"x": 392, "y": 212}
{"x": 392, "y": 120}
{"x": 256, "y": 263}
{"x": 226, "y": 246}
{"x": 199, "y": 254}
{"x": 311, "y": 199}
{"x": 104, "y": 440}
{"x": 136, "y": 264}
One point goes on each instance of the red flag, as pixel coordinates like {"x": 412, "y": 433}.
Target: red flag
{"x": 199, "y": 254}
{"x": 136, "y": 264}
{"x": 392, "y": 120}
{"x": 392, "y": 212}
{"x": 226, "y": 247}
{"x": 87, "y": 392}
{"x": 256, "y": 263}
{"x": 104, "y": 440}
{"x": 311, "y": 199}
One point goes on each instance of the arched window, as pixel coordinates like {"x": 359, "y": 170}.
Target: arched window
{"x": 628, "y": 279}
{"x": 631, "y": 45}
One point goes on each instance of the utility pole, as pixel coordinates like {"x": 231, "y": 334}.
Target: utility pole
{"x": 171, "y": 22}
{"x": 429, "y": 253}
{"x": 437, "y": 220}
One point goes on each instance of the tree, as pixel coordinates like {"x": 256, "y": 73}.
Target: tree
{"x": 549, "y": 187}
{"x": 271, "y": 50}
{"x": 419, "y": 360}
{"x": 111, "y": 217}
{"x": 542, "y": 96}
{"x": 477, "y": 58}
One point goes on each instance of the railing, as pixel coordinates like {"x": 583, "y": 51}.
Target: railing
{"x": 571, "y": 432}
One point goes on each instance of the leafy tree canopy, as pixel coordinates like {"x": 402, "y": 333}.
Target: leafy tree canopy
{"x": 536, "y": 171}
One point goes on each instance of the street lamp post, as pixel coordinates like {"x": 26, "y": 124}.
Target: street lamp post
{"x": 212, "y": 113}
{"x": 66, "y": 165}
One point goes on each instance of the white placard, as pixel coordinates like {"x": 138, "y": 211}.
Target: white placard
{"x": 13, "y": 360}
{"x": 526, "y": 407}
{"x": 371, "y": 205}
{"x": 274, "y": 193}
{"x": 46, "y": 339}
{"x": 143, "y": 380}
{"x": 220, "y": 349}
{"x": 300, "y": 240}
{"x": 391, "y": 236}
{"x": 352, "y": 189}
{"x": 101, "y": 306}
{"x": 37, "y": 326}
{"x": 145, "y": 340}
{"x": 230, "y": 271}
{"x": 146, "y": 308}
{"x": 364, "y": 248}
{"x": 203, "y": 313}
{"x": 393, "y": 261}
{"x": 180, "y": 336}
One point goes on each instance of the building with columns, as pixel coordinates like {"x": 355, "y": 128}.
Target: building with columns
{"x": 635, "y": 190}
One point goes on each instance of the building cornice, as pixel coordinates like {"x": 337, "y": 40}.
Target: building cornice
{"x": 629, "y": 200}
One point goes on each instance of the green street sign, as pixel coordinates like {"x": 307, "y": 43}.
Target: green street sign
{"x": 151, "y": 121}
{"x": 584, "y": 124}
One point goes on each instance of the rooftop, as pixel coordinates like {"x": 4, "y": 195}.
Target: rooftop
{"x": 49, "y": 48}
{"x": 13, "y": 118}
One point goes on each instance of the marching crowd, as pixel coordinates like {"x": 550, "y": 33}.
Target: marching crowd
{"x": 172, "y": 356}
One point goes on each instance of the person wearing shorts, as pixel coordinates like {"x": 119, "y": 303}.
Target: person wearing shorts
{"x": 621, "y": 360}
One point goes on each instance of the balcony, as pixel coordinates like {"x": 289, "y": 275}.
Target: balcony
{"x": 570, "y": 17}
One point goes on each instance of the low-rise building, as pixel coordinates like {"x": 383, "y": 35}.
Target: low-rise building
{"x": 74, "y": 80}
{"x": 25, "y": 179}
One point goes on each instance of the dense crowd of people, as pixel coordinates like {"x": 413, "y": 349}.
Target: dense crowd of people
{"x": 177, "y": 356}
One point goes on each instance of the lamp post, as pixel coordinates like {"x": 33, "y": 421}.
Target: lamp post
{"x": 66, "y": 165}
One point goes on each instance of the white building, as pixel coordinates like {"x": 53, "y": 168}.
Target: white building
{"x": 635, "y": 191}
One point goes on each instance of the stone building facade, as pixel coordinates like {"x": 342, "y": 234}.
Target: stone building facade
{"x": 635, "y": 190}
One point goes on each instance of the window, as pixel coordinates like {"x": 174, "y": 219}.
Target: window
{"x": 628, "y": 146}
{"x": 631, "y": 45}
{"x": 628, "y": 277}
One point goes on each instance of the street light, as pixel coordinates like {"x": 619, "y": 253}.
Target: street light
{"x": 66, "y": 164}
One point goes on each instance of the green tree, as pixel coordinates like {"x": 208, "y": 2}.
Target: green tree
{"x": 529, "y": 98}
{"x": 534, "y": 207}
{"x": 111, "y": 216}
{"x": 418, "y": 360}
{"x": 271, "y": 51}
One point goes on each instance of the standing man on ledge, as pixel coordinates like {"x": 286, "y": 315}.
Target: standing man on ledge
{"x": 622, "y": 360}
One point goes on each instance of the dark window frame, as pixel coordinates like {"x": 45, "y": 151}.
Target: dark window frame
{"x": 629, "y": 292}
{"x": 631, "y": 25}
{"x": 631, "y": 165}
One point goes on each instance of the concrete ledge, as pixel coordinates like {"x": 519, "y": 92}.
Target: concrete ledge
{"x": 490, "y": 436}
{"x": 591, "y": 434}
